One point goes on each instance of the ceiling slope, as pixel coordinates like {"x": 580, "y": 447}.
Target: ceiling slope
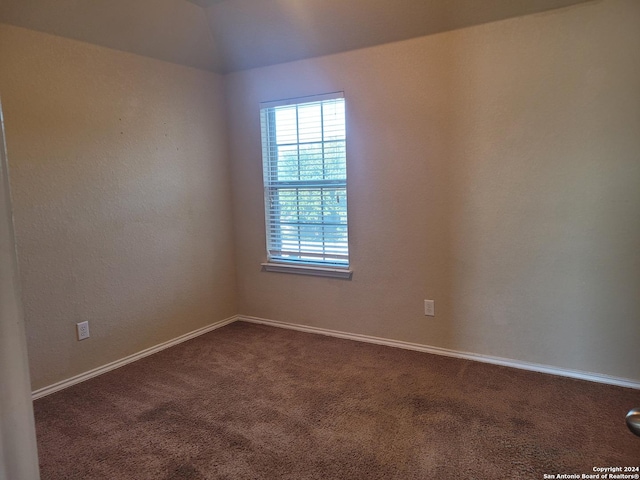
{"x": 254, "y": 33}
{"x": 171, "y": 30}
{"x": 230, "y": 35}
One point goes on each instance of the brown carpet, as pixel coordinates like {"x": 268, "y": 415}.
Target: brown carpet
{"x": 255, "y": 402}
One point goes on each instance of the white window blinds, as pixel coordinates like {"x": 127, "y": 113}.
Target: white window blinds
{"x": 305, "y": 180}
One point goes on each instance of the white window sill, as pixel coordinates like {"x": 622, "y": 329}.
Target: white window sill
{"x": 336, "y": 272}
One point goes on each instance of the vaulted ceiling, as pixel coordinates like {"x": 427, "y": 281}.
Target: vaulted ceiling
{"x": 229, "y": 35}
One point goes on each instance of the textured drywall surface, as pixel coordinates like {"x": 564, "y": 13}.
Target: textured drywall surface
{"x": 120, "y": 177}
{"x": 494, "y": 169}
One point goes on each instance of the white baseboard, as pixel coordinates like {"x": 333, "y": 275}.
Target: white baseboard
{"x": 563, "y": 372}
{"x": 592, "y": 377}
{"x": 42, "y": 392}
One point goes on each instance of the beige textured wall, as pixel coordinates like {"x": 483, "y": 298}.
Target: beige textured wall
{"x": 495, "y": 169}
{"x": 120, "y": 177}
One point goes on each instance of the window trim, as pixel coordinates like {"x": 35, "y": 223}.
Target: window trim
{"x": 307, "y": 269}
{"x": 302, "y": 267}
{"x": 298, "y": 100}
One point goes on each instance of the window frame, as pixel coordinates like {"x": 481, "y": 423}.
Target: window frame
{"x": 272, "y": 185}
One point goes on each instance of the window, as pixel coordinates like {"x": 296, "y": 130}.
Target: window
{"x": 305, "y": 184}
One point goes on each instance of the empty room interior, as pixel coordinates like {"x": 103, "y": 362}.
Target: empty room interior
{"x": 318, "y": 239}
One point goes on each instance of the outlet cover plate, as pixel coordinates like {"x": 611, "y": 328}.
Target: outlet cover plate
{"x": 83, "y": 330}
{"x": 429, "y": 308}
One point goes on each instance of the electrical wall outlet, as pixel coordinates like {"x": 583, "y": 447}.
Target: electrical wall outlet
{"x": 429, "y": 308}
{"x": 83, "y": 330}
